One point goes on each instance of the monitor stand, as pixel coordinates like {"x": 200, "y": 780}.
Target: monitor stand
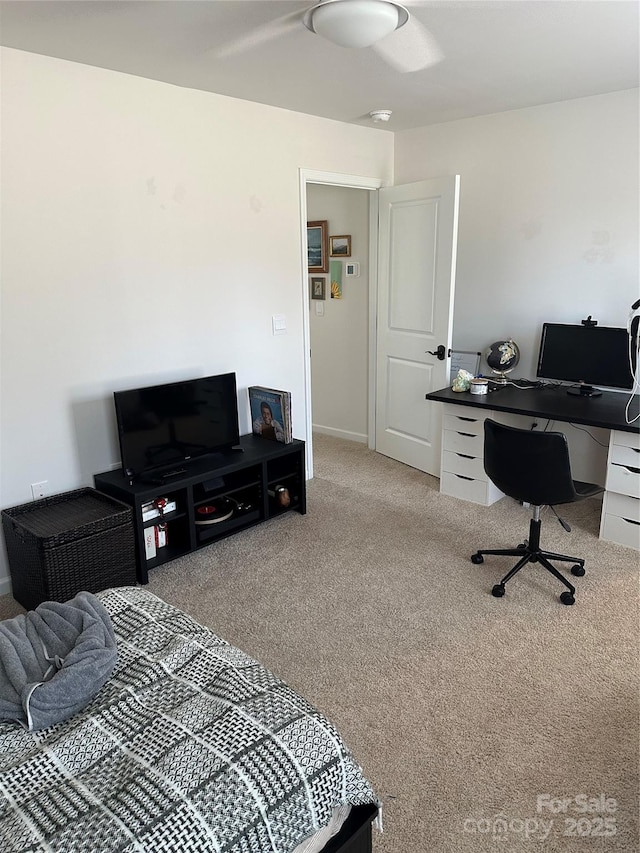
{"x": 584, "y": 391}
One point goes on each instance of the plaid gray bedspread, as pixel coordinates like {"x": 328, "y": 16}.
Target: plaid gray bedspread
{"x": 191, "y": 746}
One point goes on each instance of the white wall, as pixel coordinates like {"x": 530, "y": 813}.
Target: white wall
{"x": 149, "y": 233}
{"x": 339, "y": 338}
{"x": 548, "y": 227}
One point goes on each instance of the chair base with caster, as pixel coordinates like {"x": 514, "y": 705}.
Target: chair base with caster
{"x": 530, "y": 552}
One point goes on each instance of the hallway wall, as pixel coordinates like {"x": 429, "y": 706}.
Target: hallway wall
{"x": 339, "y": 337}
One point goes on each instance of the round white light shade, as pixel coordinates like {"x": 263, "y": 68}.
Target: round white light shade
{"x": 356, "y": 23}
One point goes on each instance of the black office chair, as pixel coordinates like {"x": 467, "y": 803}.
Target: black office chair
{"x": 533, "y": 467}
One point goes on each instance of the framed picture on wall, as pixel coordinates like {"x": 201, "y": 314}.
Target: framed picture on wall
{"x": 318, "y": 288}
{"x": 340, "y": 247}
{"x": 317, "y": 246}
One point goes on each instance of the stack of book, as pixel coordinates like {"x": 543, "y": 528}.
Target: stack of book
{"x": 157, "y": 508}
{"x": 271, "y": 413}
{"x": 155, "y": 537}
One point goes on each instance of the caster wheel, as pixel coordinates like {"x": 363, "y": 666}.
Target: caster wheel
{"x": 567, "y": 598}
{"x": 498, "y": 590}
{"x": 477, "y": 559}
{"x": 577, "y": 570}
{"x": 522, "y": 546}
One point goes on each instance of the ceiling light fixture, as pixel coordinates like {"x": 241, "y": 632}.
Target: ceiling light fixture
{"x": 355, "y": 23}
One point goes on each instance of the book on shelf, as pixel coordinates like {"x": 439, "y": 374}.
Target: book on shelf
{"x": 155, "y": 537}
{"x": 149, "y": 542}
{"x": 271, "y": 413}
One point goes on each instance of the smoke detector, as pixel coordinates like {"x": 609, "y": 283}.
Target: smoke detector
{"x": 380, "y": 115}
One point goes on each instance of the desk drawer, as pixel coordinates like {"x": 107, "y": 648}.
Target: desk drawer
{"x": 622, "y": 454}
{"x": 463, "y": 423}
{"x": 625, "y": 439}
{"x": 624, "y": 480}
{"x": 624, "y": 506}
{"x": 621, "y": 531}
{"x": 469, "y": 488}
{"x": 459, "y": 463}
{"x": 460, "y": 421}
{"x": 458, "y": 441}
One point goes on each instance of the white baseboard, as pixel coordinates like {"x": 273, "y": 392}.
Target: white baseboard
{"x": 340, "y": 433}
{"x": 5, "y": 586}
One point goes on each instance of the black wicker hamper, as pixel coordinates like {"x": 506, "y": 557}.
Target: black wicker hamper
{"x": 60, "y": 545}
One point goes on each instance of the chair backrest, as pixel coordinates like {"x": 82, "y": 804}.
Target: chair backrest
{"x": 527, "y": 465}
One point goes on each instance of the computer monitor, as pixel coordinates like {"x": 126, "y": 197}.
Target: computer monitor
{"x": 586, "y": 354}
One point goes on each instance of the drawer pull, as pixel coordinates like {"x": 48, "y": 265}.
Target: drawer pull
{"x": 462, "y": 477}
{"x": 467, "y": 434}
{"x": 629, "y": 469}
{"x": 632, "y": 521}
{"x": 465, "y": 456}
{"x": 474, "y": 420}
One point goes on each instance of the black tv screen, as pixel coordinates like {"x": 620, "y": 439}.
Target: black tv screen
{"x": 592, "y": 355}
{"x": 164, "y": 425}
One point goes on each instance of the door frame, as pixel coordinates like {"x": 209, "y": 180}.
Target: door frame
{"x": 358, "y": 182}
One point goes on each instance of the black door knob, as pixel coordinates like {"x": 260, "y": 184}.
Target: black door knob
{"x": 440, "y": 352}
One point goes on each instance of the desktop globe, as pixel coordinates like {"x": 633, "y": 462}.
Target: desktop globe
{"x": 502, "y": 357}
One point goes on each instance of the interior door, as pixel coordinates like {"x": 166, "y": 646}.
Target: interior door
{"x": 417, "y": 242}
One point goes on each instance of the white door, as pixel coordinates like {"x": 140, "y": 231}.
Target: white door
{"x": 416, "y": 274}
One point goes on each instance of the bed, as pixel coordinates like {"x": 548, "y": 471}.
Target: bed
{"x": 191, "y": 746}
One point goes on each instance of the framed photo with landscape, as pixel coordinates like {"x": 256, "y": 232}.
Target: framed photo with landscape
{"x": 317, "y": 246}
{"x": 318, "y": 288}
{"x": 340, "y": 247}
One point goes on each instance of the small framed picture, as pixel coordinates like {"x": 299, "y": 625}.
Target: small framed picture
{"x": 340, "y": 247}
{"x": 317, "y": 260}
{"x": 318, "y": 288}
{"x": 352, "y": 269}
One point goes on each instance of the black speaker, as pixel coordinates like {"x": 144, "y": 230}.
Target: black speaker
{"x": 213, "y": 484}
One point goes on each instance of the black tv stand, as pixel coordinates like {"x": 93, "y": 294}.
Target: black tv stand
{"x": 583, "y": 391}
{"x": 248, "y": 480}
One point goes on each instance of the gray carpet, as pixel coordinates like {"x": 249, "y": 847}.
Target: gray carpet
{"x": 463, "y": 709}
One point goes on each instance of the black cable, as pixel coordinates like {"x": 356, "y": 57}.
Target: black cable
{"x": 575, "y": 426}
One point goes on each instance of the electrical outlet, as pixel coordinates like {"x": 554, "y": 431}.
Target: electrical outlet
{"x": 40, "y": 490}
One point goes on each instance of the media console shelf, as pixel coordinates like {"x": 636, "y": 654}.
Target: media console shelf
{"x": 245, "y": 481}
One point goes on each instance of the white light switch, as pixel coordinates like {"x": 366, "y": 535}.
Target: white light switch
{"x": 279, "y": 324}
{"x": 320, "y": 309}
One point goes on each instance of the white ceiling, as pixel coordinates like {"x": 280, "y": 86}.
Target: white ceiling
{"x": 498, "y": 54}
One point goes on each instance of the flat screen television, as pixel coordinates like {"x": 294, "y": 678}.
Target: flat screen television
{"x": 163, "y": 426}
{"x": 587, "y": 355}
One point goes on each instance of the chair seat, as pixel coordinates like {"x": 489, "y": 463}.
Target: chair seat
{"x": 586, "y": 490}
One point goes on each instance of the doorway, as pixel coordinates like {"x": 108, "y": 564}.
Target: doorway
{"x": 412, "y": 261}
{"x": 331, "y": 179}
{"x": 338, "y": 316}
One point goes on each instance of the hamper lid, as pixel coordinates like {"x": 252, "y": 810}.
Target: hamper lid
{"x": 69, "y": 511}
